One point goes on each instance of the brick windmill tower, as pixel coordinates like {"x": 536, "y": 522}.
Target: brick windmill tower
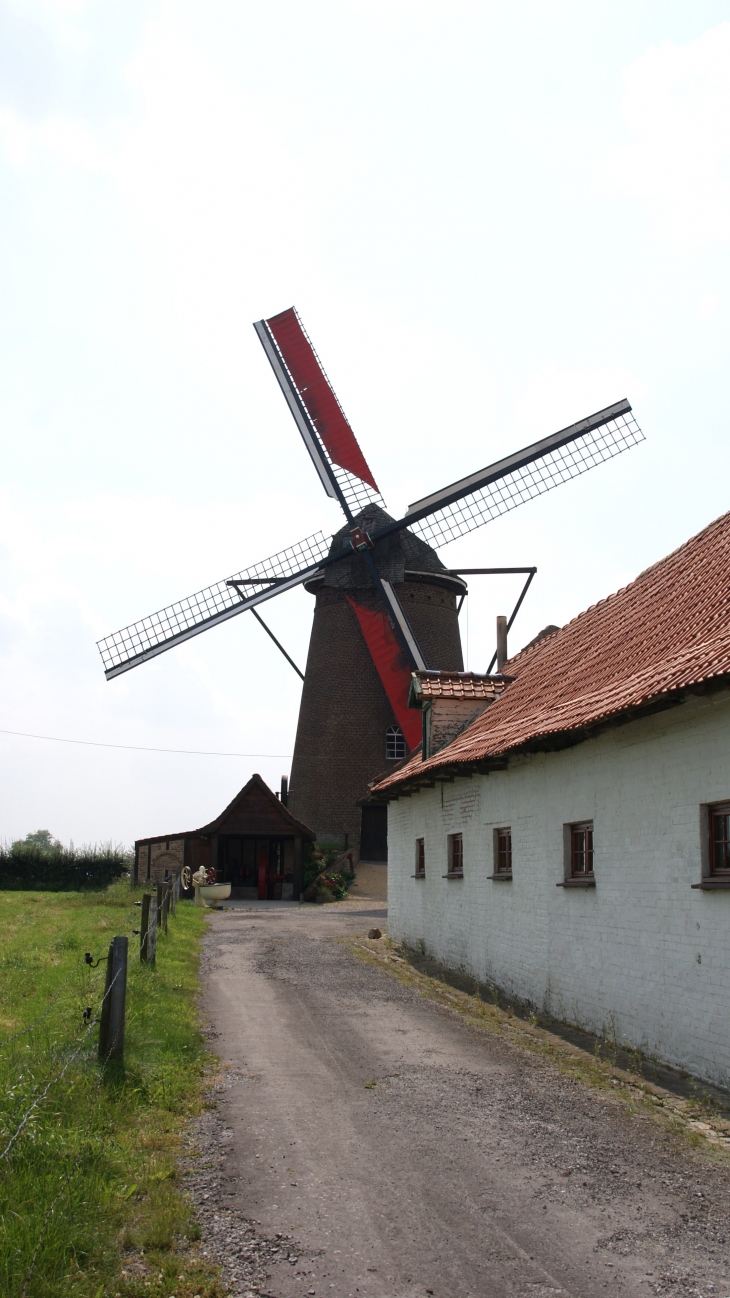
{"x": 385, "y": 605}
{"x": 347, "y": 734}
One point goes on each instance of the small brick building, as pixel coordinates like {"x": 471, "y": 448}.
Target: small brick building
{"x": 256, "y": 845}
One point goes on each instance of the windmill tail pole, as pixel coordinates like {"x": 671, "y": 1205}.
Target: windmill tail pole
{"x": 501, "y": 642}
{"x": 508, "y": 627}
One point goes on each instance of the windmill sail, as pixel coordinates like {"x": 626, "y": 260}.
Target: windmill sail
{"x": 188, "y": 617}
{"x": 322, "y": 422}
{"x": 392, "y": 668}
{"x": 438, "y": 519}
{"x": 476, "y": 500}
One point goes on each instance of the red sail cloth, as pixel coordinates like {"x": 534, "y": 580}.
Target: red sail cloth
{"x": 317, "y": 395}
{"x": 391, "y": 666}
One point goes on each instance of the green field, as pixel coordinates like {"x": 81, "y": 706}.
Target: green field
{"x": 90, "y": 1205}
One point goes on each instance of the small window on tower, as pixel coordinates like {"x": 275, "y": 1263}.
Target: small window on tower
{"x": 395, "y": 744}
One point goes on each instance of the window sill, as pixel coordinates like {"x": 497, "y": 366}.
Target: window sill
{"x": 711, "y": 884}
{"x": 588, "y": 882}
{"x": 501, "y": 878}
{"x": 456, "y": 874}
{"x": 418, "y": 876}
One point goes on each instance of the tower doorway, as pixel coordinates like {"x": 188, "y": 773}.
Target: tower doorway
{"x": 374, "y": 832}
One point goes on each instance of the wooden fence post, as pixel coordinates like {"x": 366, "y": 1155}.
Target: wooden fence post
{"x": 144, "y": 927}
{"x": 148, "y": 930}
{"x": 165, "y": 905}
{"x": 111, "y": 1025}
{"x": 161, "y": 909}
{"x": 152, "y": 932}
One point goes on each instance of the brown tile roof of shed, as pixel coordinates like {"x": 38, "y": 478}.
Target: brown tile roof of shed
{"x": 256, "y": 782}
{"x": 455, "y": 685}
{"x": 668, "y": 630}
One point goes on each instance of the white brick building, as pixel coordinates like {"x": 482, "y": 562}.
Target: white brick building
{"x": 609, "y": 749}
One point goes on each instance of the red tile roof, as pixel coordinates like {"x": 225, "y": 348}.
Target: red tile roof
{"x": 454, "y": 685}
{"x": 668, "y": 630}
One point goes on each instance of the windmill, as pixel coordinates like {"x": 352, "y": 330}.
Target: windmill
{"x": 385, "y": 604}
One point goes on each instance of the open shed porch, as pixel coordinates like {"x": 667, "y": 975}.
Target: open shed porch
{"x": 256, "y": 845}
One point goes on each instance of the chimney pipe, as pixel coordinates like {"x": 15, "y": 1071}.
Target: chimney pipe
{"x": 284, "y": 790}
{"x": 501, "y": 642}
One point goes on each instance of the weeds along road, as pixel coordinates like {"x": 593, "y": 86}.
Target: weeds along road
{"x": 398, "y": 1152}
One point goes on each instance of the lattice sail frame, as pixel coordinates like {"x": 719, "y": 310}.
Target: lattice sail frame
{"x": 468, "y": 508}
{"x": 188, "y": 617}
{"x": 475, "y": 509}
{"x": 357, "y": 493}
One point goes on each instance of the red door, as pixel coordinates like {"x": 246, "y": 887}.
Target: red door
{"x": 263, "y": 866}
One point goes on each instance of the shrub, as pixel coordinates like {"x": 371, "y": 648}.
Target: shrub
{"x": 319, "y": 875}
{"x": 337, "y": 884}
{"x": 53, "y": 868}
{"x": 318, "y": 859}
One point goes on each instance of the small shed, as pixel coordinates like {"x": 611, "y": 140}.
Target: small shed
{"x": 256, "y": 845}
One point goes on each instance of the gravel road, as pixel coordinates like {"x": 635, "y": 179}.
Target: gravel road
{"x": 368, "y": 1142}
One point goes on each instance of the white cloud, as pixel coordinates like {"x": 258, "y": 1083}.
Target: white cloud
{"x": 68, "y": 139}
{"x": 61, "y": 19}
{"x": 677, "y": 158}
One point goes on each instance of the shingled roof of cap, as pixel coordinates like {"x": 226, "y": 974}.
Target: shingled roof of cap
{"x": 457, "y": 685}
{"x": 668, "y": 630}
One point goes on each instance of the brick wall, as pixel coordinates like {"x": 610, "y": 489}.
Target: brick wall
{"x": 344, "y": 711}
{"x": 447, "y": 719}
{"x": 164, "y": 858}
{"x": 641, "y": 955}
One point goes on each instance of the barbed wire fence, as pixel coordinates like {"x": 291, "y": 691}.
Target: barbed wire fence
{"x": 42, "y": 1087}
{"x": 65, "y": 1182}
{"x": 59, "y": 1075}
{"x": 44, "y": 1013}
{"x": 108, "y": 1015}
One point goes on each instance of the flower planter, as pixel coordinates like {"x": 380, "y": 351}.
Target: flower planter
{"x": 214, "y": 892}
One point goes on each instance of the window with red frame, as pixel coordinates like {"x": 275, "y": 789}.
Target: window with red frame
{"x": 581, "y": 850}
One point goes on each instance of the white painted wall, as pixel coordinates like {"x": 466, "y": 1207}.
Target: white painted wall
{"x": 620, "y": 957}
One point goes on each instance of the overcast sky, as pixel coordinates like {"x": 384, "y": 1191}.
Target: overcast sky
{"x": 494, "y": 219}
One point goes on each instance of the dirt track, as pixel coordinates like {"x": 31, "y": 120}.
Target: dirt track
{"x": 468, "y": 1168}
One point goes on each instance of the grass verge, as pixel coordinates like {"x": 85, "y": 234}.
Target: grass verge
{"x": 90, "y": 1205}
{"x": 696, "y": 1121}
